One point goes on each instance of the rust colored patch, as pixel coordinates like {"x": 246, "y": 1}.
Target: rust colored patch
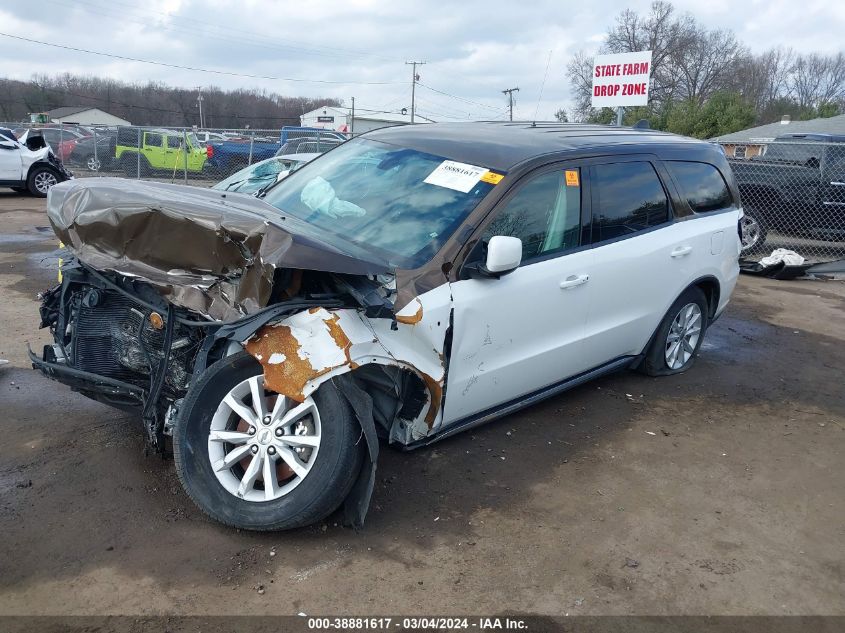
{"x": 289, "y": 377}
{"x": 314, "y": 310}
{"x": 412, "y": 319}
{"x": 435, "y": 390}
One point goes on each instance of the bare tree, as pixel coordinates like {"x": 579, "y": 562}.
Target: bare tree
{"x": 817, "y": 79}
{"x": 704, "y": 63}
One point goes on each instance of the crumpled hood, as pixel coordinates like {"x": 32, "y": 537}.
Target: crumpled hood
{"x": 207, "y": 251}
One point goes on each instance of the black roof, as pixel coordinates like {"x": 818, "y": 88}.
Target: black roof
{"x": 502, "y": 145}
{"x": 823, "y": 138}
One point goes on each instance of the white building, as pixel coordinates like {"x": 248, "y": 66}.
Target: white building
{"x": 340, "y": 119}
{"x": 83, "y": 115}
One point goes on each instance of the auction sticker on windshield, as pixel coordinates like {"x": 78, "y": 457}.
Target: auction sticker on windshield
{"x": 458, "y": 176}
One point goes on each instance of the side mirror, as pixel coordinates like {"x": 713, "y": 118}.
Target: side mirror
{"x": 504, "y": 254}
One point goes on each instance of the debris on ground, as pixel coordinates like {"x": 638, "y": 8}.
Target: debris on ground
{"x": 632, "y": 563}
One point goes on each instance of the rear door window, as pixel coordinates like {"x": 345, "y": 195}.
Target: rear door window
{"x": 174, "y": 142}
{"x": 631, "y": 199}
{"x": 702, "y": 185}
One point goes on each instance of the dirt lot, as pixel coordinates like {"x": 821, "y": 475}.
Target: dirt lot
{"x": 715, "y": 492}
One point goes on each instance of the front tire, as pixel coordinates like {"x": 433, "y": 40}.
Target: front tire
{"x": 679, "y": 336}
{"x": 40, "y": 179}
{"x": 233, "y": 437}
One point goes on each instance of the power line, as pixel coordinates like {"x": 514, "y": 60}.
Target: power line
{"x": 253, "y": 40}
{"x": 201, "y": 70}
{"x": 483, "y": 105}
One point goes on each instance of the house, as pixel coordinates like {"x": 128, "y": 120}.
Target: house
{"x": 340, "y": 119}
{"x": 753, "y": 141}
{"x": 79, "y": 115}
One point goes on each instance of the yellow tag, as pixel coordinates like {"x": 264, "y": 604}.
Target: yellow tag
{"x": 571, "y": 177}
{"x": 492, "y": 177}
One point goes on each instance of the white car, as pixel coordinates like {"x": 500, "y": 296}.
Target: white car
{"x": 29, "y": 166}
{"x": 412, "y": 283}
{"x": 264, "y": 174}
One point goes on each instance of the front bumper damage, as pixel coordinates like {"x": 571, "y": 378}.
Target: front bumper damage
{"x": 221, "y": 276}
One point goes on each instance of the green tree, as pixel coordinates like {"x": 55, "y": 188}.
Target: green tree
{"x": 561, "y": 116}
{"x": 723, "y": 113}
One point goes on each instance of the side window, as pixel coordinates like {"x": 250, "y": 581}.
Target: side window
{"x": 630, "y": 199}
{"x": 702, "y": 185}
{"x": 152, "y": 140}
{"x": 174, "y": 142}
{"x": 545, "y": 213}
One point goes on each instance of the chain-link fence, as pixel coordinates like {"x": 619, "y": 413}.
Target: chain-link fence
{"x": 186, "y": 155}
{"x": 793, "y": 194}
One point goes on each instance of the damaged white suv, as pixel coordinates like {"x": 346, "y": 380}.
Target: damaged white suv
{"x": 407, "y": 285}
{"x": 29, "y": 166}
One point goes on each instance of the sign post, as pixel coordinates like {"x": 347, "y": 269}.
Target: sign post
{"x": 620, "y": 80}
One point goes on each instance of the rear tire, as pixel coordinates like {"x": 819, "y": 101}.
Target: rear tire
{"x": 131, "y": 167}
{"x": 679, "y": 336}
{"x": 220, "y": 490}
{"x": 754, "y": 231}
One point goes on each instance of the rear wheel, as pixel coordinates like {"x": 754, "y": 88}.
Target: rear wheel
{"x": 256, "y": 460}
{"x": 752, "y": 233}
{"x": 133, "y": 164}
{"x": 92, "y": 163}
{"x": 40, "y": 179}
{"x": 679, "y": 336}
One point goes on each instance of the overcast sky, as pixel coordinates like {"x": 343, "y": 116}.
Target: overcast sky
{"x": 473, "y": 50}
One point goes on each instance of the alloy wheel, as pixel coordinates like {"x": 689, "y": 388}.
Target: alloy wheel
{"x": 44, "y": 180}
{"x": 92, "y": 164}
{"x": 261, "y": 446}
{"x": 751, "y": 232}
{"x": 683, "y": 336}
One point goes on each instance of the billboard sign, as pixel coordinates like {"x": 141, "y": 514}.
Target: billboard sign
{"x": 621, "y": 79}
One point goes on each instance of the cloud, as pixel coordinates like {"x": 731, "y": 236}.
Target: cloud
{"x": 473, "y": 49}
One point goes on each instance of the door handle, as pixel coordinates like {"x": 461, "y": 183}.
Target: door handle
{"x": 574, "y": 280}
{"x": 681, "y": 251}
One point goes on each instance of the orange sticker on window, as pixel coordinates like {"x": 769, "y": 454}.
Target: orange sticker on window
{"x": 571, "y": 177}
{"x": 492, "y": 177}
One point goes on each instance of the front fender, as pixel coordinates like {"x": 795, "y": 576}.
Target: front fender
{"x": 302, "y": 351}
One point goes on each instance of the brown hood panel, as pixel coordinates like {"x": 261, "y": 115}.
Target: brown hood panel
{"x": 206, "y": 251}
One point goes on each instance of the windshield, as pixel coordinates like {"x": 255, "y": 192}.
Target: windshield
{"x": 251, "y": 179}
{"x": 402, "y": 203}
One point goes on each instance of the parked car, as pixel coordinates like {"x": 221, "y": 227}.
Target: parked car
{"x": 30, "y": 165}
{"x": 205, "y": 136}
{"x": 264, "y": 174}
{"x": 306, "y": 145}
{"x": 412, "y": 283}
{"x": 227, "y": 157}
{"x": 796, "y": 187}
{"x": 150, "y": 150}
{"x": 95, "y": 153}
{"x": 62, "y": 141}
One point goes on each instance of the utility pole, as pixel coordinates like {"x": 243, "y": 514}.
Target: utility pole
{"x": 352, "y": 119}
{"x": 510, "y": 92}
{"x": 414, "y": 79}
{"x": 199, "y": 104}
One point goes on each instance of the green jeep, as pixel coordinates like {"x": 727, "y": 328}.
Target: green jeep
{"x": 160, "y": 150}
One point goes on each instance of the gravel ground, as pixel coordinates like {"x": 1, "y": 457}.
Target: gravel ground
{"x": 714, "y": 492}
